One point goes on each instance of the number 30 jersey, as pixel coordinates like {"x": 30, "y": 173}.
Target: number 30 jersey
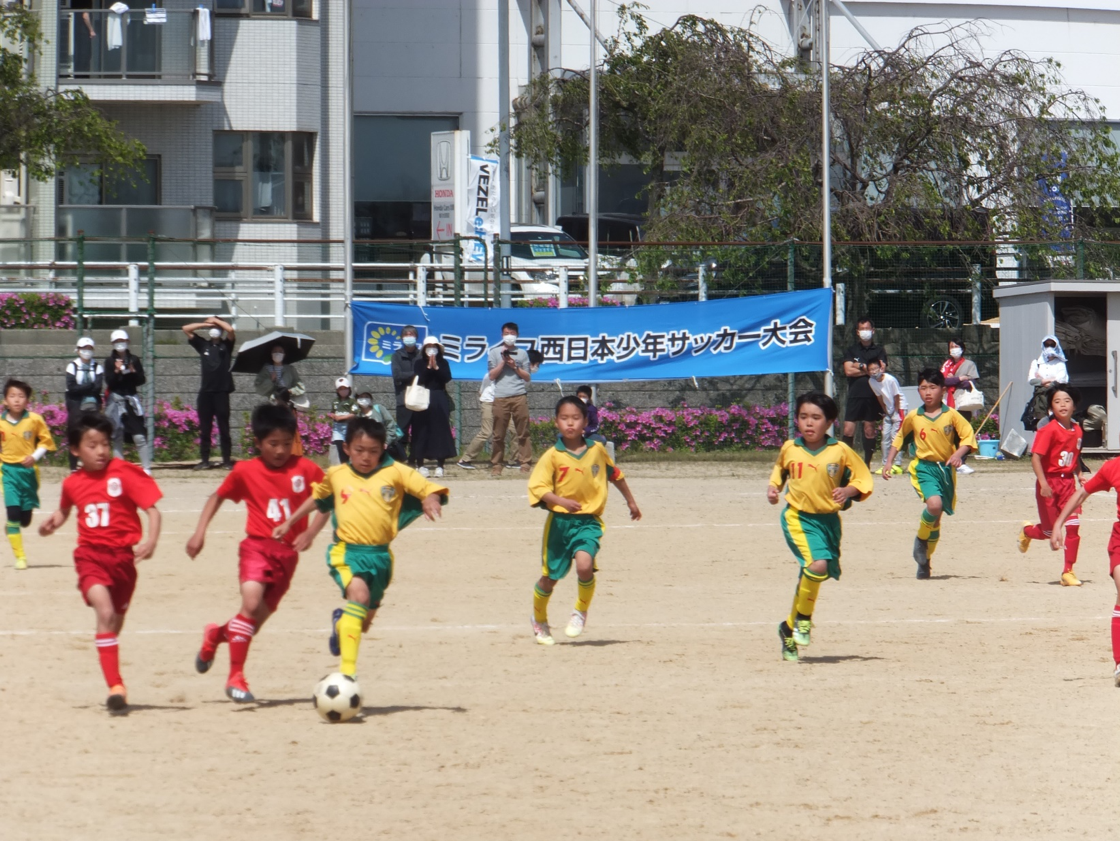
{"x": 814, "y": 474}
{"x": 271, "y": 495}
{"x": 1058, "y": 448}
{"x": 106, "y": 503}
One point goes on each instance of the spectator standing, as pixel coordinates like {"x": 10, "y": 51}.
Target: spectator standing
{"x": 960, "y": 374}
{"x": 215, "y": 353}
{"x": 862, "y": 406}
{"x": 486, "y": 430}
{"x": 124, "y": 374}
{"x": 402, "y": 365}
{"x": 431, "y": 428}
{"x": 343, "y": 410}
{"x": 277, "y": 377}
{"x": 509, "y": 368}
{"x": 85, "y": 383}
{"x": 369, "y": 408}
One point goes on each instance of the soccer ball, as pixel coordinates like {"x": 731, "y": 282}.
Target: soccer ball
{"x": 337, "y": 698}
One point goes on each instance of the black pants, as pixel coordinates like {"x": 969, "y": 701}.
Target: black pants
{"x": 214, "y": 405}
{"x": 342, "y": 457}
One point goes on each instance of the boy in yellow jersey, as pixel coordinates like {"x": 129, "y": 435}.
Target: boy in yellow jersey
{"x": 24, "y": 440}
{"x": 823, "y": 477}
{"x": 570, "y": 482}
{"x": 372, "y": 498}
{"x": 941, "y": 438}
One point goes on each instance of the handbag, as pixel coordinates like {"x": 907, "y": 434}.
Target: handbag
{"x": 969, "y": 401}
{"x": 417, "y": 397}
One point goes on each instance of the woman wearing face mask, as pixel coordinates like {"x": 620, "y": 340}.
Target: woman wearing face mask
{"x": 85, "y": 383}
{"x": 124, "y": 374}
{"x": 960, "y": 373}
{"x": 276, "y": 377}
{"x": 431, "y": 429}
{"x": 1047, "y": 370}
{"x": 402, "y": 364}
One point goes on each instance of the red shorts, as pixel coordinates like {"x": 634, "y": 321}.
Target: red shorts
{"x": 114, "y": 567}
{"x": 271, "y": 563}
{"x": 1114, "y": 549}
{"x": 1063, "y": 487}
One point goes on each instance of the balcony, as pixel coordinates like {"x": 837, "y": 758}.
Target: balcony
{"x": 120, "y": 232}
{"x": 152, "y": 55}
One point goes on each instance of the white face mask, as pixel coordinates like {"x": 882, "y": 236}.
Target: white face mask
{"x": 879, "y": 377}
{"x": 865, "y": 335}
{"x": 365, "y": 404}
{"x": 277, "y": 358}
{"x": 509, "y": 339}
{"x": 432, "y": 351}
{"x": 409, "y": 341}
{"x": 584, "y": 399}
{"x": 956, "y": 353}
{"x": 215, "y": 333}
{"x": 1050, "y": 352}
{"x": 120, "y": 346}
{"x": 86, "y": 354}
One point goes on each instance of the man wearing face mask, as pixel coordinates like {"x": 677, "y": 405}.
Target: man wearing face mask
{"x": 509, "y": 369}
{"x": 85, "y": 383}
{"x": 862, "y": 406}
{"x": 215, "y": 352}
{"x": 402, "y": 364}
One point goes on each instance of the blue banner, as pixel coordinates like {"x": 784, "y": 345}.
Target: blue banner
{"x": 764, "y": 334}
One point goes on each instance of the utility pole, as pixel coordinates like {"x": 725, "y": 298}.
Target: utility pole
{"x": 593, "y": 165}
{"x": 503, "y": 148}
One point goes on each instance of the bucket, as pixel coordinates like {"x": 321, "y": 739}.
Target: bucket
{"x": 988, "y": 448}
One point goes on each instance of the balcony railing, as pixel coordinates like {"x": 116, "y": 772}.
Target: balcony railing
{"x": 152, "y": 45}
{"x": 121, "y": 229}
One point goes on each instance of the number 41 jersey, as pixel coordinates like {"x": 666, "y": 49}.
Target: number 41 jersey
{"x": 107, "y": 502}
{"x": 271, "y": 495}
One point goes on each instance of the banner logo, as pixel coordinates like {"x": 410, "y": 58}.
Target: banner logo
{"x": 381, "y": 341}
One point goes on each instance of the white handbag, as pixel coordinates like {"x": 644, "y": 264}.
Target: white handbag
{"x": 968, "y": 401}
{"x": 417, "y": 397}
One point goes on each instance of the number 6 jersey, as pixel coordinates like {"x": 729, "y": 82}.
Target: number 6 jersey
{"x": 106, "y": 503}
{"x": 271, "y": 495}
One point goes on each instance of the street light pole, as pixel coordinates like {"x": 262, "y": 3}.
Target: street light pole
{"x": 593, "y": 165}
{"x": 826, "y": 180}
{"x": 348, "y": 182}
{"x": 503, "y": 146}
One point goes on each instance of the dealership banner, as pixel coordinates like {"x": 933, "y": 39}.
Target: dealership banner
{"x": 763, "y": 334}
{"x": 483, "y": 207}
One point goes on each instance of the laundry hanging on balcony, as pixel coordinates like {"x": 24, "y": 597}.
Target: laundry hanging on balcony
{"x": 114, "y": 34}
{"x": 155, "y": 15}
{"x": 203, "y": 24}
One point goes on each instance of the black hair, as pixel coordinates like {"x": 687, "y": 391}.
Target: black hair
{"x": 511, "y": 325}
{"x": 535, "y": 357}
{"x": 865, "y": 319}
{"x": 409, "y": 327}
{"x": 882, "y": 361}
{"x": 821, "y": 400}
{"x": 86, "y": 422}
{"x": 954, "y": 340}
{"x": 584, "y": 389}
{"x": 20, "y": 384}
{"x": 365, "y": 426}
{"x": 570, "y": 400}
{"x": 1057, "y": 388}
{"x": 268, "y": 418}
{"x": 931, "y": 376}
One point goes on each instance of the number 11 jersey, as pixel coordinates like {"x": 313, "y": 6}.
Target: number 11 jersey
{"x": 107, "y": 502}
{"x": 271, "y": 495}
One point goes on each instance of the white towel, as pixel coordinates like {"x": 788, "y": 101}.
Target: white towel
{"x": 113, "y": 35}
{"x": 203, "y": 24}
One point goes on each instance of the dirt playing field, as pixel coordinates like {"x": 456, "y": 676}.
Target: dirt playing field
{"x": 978, "y": 703}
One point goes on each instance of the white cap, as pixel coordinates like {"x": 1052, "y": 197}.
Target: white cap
{"x": 119, "y": 336}
{"x": 85, "y": 341}
{"x": 430, "y": 340}
{"x": 343, "y": 382}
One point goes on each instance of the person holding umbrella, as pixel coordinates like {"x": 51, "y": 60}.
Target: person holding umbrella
{"x": 278, "y": 375}
{"x": 215, "y": 352}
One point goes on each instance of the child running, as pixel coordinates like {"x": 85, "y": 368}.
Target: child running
{"x": 941, "y": 438}
{"x": 1056, "y": 459}
{"x": 24, "y": 440}
{"x": 107, "y": 492}
{"x": 570, "y": 482}
{"x": 372, "y": 498}
{"x": 824, "y": 476}
{"x": 1107, "y": 478}
{"x": 271, "y": 486}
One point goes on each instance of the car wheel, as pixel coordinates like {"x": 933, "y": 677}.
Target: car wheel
{"x": 943, "y": 313}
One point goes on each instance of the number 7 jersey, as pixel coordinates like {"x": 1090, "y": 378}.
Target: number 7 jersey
{"x": 107, "y": 502}
{"x": 271, "y": 495}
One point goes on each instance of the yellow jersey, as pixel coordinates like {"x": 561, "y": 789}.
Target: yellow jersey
{"x": 582, "y": 477}
{"x": 936, "y": 438}
{"x": 370, "y": 509}
{"x": 814, "y": 474}
{"x": 19, "y": 439}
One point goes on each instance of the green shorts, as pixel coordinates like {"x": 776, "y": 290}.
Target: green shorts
{"x": 564, "y": 535}
{"x": 813, "y": 537}
{"x": 372, "y": 564}
{"x": 932, "y": 478}
{"x": 21, "y": 487}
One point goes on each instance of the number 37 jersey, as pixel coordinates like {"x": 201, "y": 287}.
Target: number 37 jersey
{"x": 105, "y": 503}
{"x": 271, "y": 495}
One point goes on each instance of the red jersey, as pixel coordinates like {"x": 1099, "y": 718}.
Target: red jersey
{"x": 271, "y": 495}
{"x": 107, "y": 503}
{"x": 1058, "y": 448}
{"x": 1104, "y": 479}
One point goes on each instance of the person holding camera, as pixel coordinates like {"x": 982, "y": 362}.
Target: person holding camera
{"x": 509, "y": 369}
{"x": 862, "y": 406}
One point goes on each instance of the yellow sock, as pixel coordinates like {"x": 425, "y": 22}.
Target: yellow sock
{"x": 931, "y": 545}
{"x": 15, "y": 537}
{"x": 585, "y": 591}
{"x": 350, "y": 636}
{"x": 925, "y": 525}
{"x": 807, "y": 590}
{"x": 540, "y": 604}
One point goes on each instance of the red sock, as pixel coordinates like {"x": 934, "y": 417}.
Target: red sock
{"x": 109, "y": 653}
{"x": 223, "y": 633}
{"x": 1034, "y": 533}
{"x": 240, "y": 632}
{"x": 1116, "y": 635}
{"x": 1073, "y": 541}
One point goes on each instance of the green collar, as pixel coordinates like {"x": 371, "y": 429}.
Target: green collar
{"x": 6, "y": 417}
{"x": 386, "y": 461}
{"x": 560, "y": 446}
{"x": 923, "y": 413}
{"x": 828, "y": 442}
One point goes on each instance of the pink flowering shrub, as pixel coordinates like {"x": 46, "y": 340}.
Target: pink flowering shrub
{"x": 573, "y": 301}
{"x": 314, "y": 431}
{"x": 36, "y": 311}
{"x": 989, "y": 430}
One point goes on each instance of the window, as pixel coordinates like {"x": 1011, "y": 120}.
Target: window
{"x": 264, "y": 8}
{"x": 264, "y": 174}
{"x": 87, "y": 184}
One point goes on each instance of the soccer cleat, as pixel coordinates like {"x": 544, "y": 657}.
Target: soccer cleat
{"x": 237, "y": 690}
{"x": 423, "y": 471}
{"x": 789, "y": 647}
{"x": 542, "y": 633}
{"x": 921, "y": 557}
{"x": 439, "y": 473}
{"x": 896, "y": 470}
{"x": 205, "y": 657}
{"x": 576, "y": 623}
{"x": 1070, "y": 580}
{"x": 466, "y": 465}
{"x": 1024, "y": 541}
{"x": 21, "y": 562}
{"x": 513, "y": 465}
{"x": 801, "y": 629}
{"x": 117, "y": 702}
{"x": 336, "y": 650}
{"x": 965, "y": 470}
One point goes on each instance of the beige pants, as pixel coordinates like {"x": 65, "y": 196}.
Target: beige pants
{"x": 508, "y": 409}
{"x": 485, "y": 431}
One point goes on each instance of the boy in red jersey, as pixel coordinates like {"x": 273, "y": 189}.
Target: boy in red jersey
{"x": 107, "y": 491}
{"x": 1056, "y": 459}
{"x": 272, "y": 487}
